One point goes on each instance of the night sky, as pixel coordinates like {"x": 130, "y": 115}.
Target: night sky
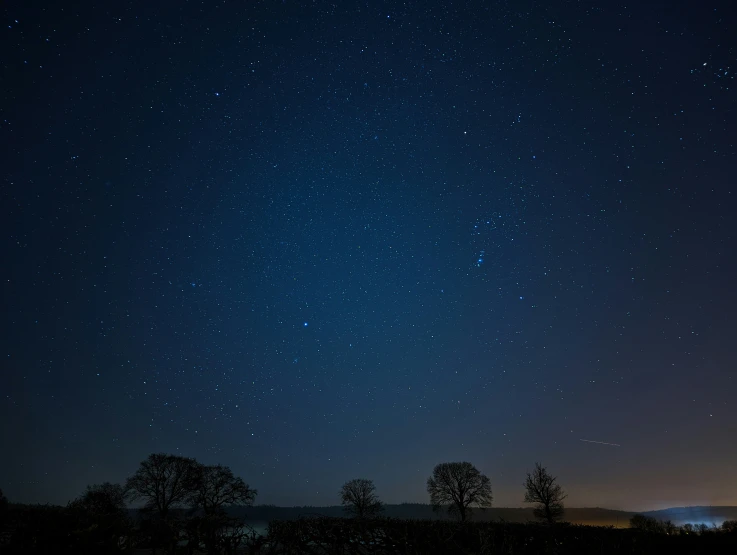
{"x": 316, "y": 241}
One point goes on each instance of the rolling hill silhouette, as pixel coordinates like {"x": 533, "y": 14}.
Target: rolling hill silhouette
{"x": 595, "y": 516}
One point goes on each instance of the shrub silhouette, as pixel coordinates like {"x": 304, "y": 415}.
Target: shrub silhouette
{"x": 646, "y": 523}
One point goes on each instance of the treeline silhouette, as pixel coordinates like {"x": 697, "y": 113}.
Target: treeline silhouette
{"x": 190, "y": 508}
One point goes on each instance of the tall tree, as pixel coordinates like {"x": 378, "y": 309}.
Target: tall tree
{"x": 359, "y": 499}
{"x": 100, "y": 518}
{"x": 164, "y": 482}
{"x": 215, "y": 487}
{"x": 459, "y": 485}
{"x": 541, "y": 488}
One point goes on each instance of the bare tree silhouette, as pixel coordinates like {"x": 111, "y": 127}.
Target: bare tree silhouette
{"x": 358, "y": 498}
{"x": 459, "y": 485}
{"x": 214, "y": 488}
{"x": 540, "y": 488}
{"x": 163, "y": 481}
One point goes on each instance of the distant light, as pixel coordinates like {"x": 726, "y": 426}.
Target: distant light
{"x": 305, "y": 324}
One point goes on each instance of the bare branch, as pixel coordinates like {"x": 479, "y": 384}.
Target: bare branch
{"x": 541, "y": 488}
{"x": 163, "y": 481}
{"x": 358, "y": 498}
{"x": 459, "y": 485}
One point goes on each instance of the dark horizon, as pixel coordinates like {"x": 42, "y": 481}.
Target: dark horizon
{"x": 597, "y": 516}
{"x": 526, "y": 508}
{"x": 261, "y": 503}
{"x": 316, "y": 242}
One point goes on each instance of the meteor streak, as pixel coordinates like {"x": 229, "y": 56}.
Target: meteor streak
{"x": 602, "y": 442}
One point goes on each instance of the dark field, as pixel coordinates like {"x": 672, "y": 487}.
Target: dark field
{"x": 328, "y": 536}
{"x": 54, "y": 530}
